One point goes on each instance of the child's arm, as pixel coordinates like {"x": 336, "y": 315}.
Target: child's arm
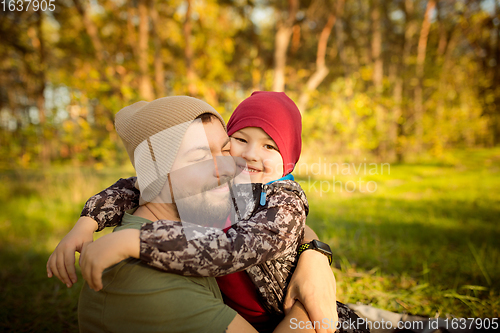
{"x": 270, "y": 233}
{"x": 104, "y": 209}
{"x": 108, "y": 206}
{"x": 61, "y": 262}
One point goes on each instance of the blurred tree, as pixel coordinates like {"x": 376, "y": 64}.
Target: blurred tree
{"x": 378, "y": 75}
{"x": 421, "y": 49}
{"x": 321, "y": 69}
{"x": 284, "y": 31}
{"x": 188, "y": 51}
{"x": 483, "y": 33}
{"x": 159, "y": 72}
{"x": 145, "y": 88}
{"x": 386, "y": 79}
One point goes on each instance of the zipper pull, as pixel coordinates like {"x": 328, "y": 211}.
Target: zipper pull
{"x": 263, "y": 195}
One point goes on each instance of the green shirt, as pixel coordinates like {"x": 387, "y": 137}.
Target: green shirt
{"x": 139, "y": 298}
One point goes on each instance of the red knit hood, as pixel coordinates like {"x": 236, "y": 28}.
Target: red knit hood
{"x": 278, "y": 116}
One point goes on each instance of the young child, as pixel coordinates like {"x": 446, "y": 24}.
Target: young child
{"x": 255, "y": 255}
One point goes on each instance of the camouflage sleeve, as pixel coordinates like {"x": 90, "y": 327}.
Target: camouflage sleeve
{"x": 269, "y": 234}
{"x": 108, "y": 206}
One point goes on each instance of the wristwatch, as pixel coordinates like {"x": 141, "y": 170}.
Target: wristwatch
{"x": 318, "y": 246}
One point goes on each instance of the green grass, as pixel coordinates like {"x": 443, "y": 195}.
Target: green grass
{"x": 426, "y": 242}
{"x": 38, "y": 209}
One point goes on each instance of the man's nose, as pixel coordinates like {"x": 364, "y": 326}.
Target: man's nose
{"x": 225, "y": 168}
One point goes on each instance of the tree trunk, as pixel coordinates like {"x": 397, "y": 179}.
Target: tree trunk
{"x": 281, "y": 43}
{"x": 188, "y": 51}
{"x": 321, "y": 69}
{"x": 40, "y": 97}
{"x": 145, "y": 88}
{"x": 339, "y": 38}
{"x": 37, "y": 40}
{"x": 395, "y": 152}
{"x": 378, "y": 73}
{"x": 410, "y": 30}
{"x": 496, "y": 80}
{"x": 422, "y": 47}
{"x": 440, "y": 138}
{"x": 158, "y": 63}
{"x": 131, "y": 33}
{"x": 295, "y": 38}
{"x": 376, "y": 47}
{"x": 100, "y": 54}
{"x": 92, "y": 31}
{"x": 442, "y": 31}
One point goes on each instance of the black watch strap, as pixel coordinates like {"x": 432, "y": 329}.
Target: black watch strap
{"x": 318, "y": 246}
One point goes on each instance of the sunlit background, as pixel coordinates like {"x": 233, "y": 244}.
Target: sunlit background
{"x": 413, "y": 84}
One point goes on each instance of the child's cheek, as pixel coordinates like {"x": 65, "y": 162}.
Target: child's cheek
{"x": 273, "y": 166}
{"x": 234, "y": 150}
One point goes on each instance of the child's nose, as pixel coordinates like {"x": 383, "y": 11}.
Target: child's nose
{"x": 249, "y": 154}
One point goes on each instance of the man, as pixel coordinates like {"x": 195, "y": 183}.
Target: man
{"x": 171, "y": 149}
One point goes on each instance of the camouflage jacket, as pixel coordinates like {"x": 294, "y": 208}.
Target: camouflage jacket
{"x": 263, "y": 242}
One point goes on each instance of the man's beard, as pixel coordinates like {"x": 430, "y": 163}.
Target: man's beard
{"x": 206, "y": 209}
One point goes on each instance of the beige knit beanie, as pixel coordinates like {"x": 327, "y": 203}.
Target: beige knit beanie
{"x": 152, "y": 133}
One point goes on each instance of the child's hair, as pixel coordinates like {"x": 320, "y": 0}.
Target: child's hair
{"x": 277, "y": 115}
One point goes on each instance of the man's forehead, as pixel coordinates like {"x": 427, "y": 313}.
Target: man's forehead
{"x": 194, "y": 136}
{"x": 201, "y": 135}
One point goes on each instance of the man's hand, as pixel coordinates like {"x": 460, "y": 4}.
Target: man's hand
{"x": 61, "y": 262}
{"x": 107, "y": 251}
{"x": 313, "y": 284}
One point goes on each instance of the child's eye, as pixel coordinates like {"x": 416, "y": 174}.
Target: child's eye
{"x": 270, "y": 147}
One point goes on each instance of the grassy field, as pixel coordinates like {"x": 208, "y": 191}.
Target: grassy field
{"x": 418, "y": 238}
{"x": 426, "y": 242}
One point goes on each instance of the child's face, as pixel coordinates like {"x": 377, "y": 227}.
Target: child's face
{"x": 263, "y": 160}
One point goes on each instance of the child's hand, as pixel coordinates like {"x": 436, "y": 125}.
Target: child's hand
{"x": 61, "y": 262}
{"x": 107, "y": 251}
{"x": 313, "y": 284}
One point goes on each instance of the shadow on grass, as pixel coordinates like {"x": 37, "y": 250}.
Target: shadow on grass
{"x": 30, "y": 301}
